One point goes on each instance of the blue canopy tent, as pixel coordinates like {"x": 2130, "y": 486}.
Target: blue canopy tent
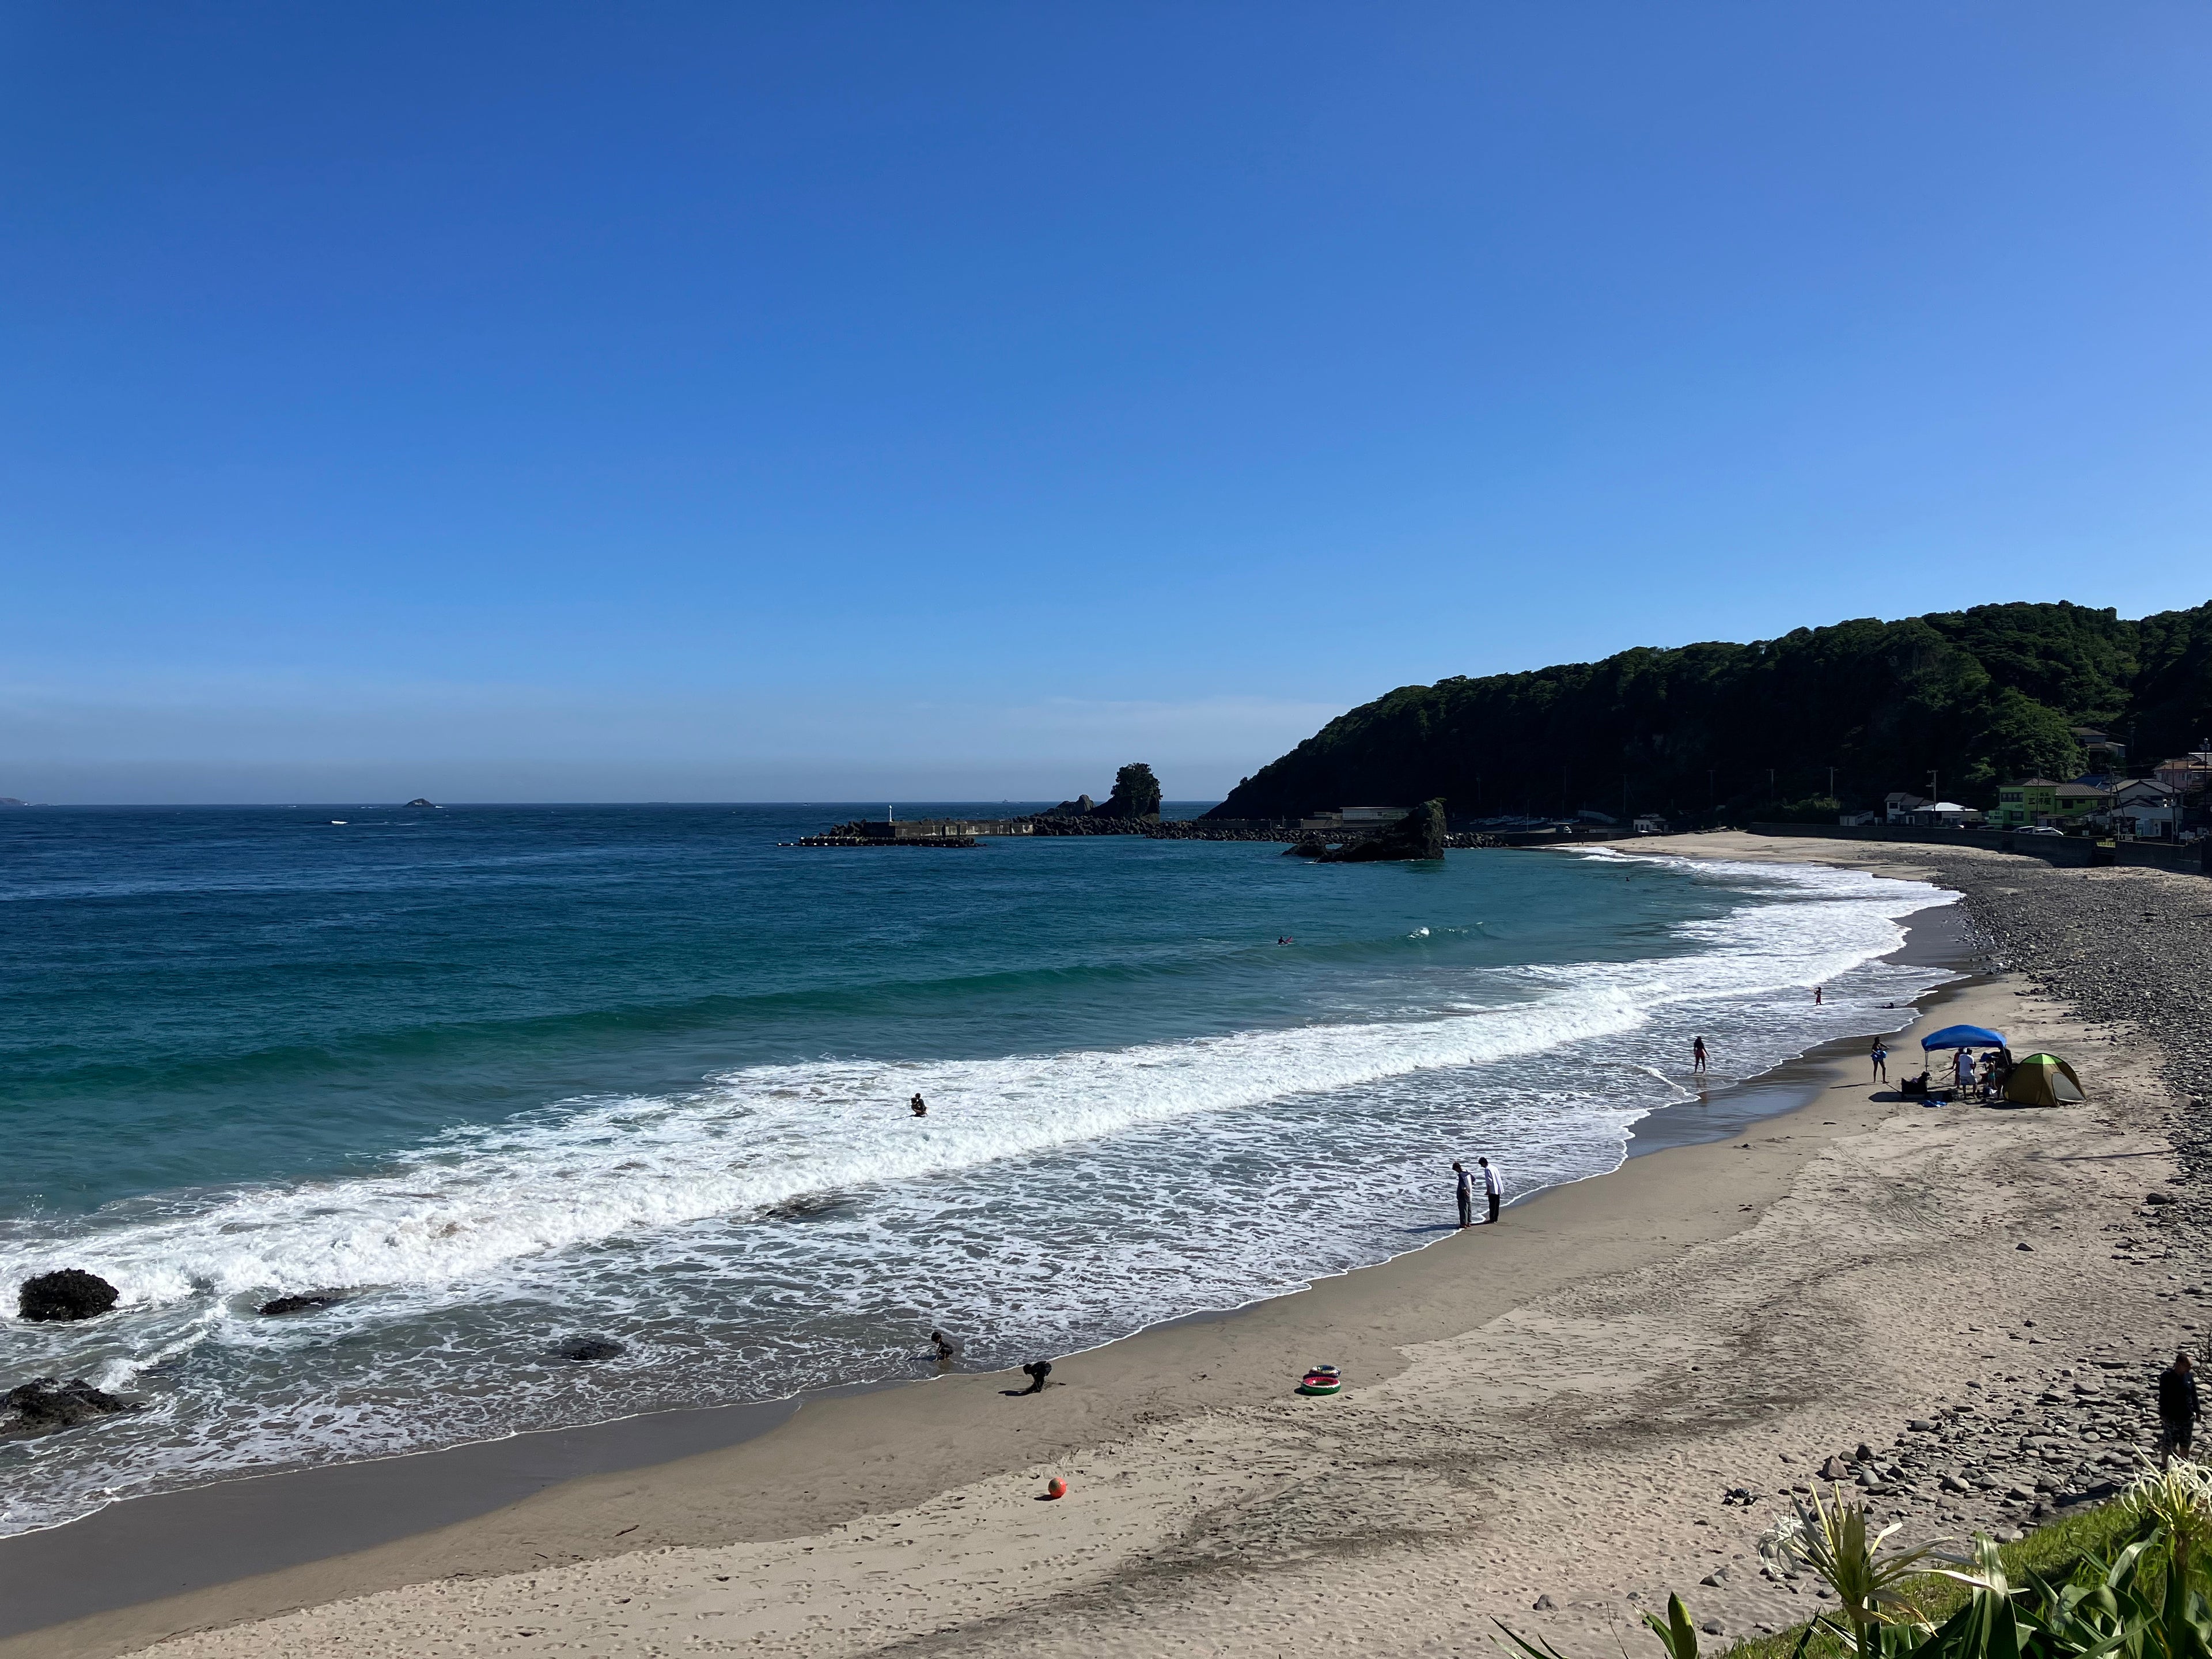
{"x": 1963, "y": 1036}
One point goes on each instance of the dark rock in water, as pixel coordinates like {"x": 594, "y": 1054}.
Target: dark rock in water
{"x": 1081, "y": 807}
{"x": 582, "y": 1350}
{"x": 306, "y": 1302}
{"x": 72, "y": 1293}
{"x": 419, "y": 801}
{"x": 1308, "y": 849}
{"x": 810, "y": 1206}
{"x": 1419, "y": 834}
{"x": 45, "y": 1405}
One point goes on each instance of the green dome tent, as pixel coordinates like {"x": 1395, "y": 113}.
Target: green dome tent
{"x": 2044, "y": 1080}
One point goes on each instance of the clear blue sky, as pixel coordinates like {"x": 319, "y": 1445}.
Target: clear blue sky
{"x": 728, "y": 401}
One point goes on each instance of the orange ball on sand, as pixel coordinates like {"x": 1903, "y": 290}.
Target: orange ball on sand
{"x": 1056, "y": 1487}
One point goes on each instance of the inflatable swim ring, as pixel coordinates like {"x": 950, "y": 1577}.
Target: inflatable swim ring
{"x": 1321, "y": 1379}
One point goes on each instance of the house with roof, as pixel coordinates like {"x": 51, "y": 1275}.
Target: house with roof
{"x": 2032, "y": 800}
{"x": 2186, "y": 773}
{"x": 2100, "y": 746}
{"x": 2146, "y": 809}
{"x": 1944, "y": 815}
{"x": 2082, "y": 800}
{"x": 1898, "y": 806}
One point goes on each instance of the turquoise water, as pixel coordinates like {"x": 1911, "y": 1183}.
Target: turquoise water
{"x": 515, "y": 1073}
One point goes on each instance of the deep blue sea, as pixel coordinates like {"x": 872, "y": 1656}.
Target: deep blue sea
{"x": 516, "y": 1073}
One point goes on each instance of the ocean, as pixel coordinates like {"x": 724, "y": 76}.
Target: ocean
{"x": 510, "y": 1075}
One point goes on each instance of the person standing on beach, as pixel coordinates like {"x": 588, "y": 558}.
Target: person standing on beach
{"x": 1880, "y": 1056}
{"x": 2177, "y": 1408}
{"x": 1697, "y": 1056}
{"x": 1492, "y": 1186}
{"x": 1962, "y": 1073}
{"x": 1465, "y": 1193}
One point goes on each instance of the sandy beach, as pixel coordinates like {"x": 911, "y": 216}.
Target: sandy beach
{"x": 1547, "y": 1413}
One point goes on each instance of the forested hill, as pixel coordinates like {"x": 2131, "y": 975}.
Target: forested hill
{"x": 1976, "y": 696}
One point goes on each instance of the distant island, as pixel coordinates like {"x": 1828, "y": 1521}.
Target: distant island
{"x": 1821, "y": 720}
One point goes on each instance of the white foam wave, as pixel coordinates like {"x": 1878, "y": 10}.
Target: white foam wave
{"x": 450, "y": 1213}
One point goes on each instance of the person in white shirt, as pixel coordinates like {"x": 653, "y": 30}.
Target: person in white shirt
{"x": 1962, "y": 1073}
{"x": 1492, "y": 1186}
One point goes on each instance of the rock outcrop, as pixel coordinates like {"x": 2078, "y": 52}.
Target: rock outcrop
{"x": 1419, "y": 834}
{"x": 583, "y": 1349}
{"x": 71, "y": 1293}
{"x": 1307, "y": 849}
{"x": 419, "y": 801}
{"x": 1136, "y": 795}
{"x": 306, "y": 1302}
{"x": 46, "y": 1405}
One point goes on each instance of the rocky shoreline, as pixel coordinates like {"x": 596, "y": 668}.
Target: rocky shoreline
{"x": 2064, "y": 1411}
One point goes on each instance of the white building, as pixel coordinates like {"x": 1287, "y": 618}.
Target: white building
{"x": 2146, "y": 810}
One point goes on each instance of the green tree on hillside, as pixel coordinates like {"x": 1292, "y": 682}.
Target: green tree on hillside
{"x": 1974, "y": 697}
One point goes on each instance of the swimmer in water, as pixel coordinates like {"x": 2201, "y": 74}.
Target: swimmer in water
{"x": 921, "y": 1106}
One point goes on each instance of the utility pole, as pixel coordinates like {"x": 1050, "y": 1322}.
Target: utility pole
{"x": 1832, "y": 783}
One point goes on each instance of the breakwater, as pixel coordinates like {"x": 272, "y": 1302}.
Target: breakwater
{"x": 966, "y": 832}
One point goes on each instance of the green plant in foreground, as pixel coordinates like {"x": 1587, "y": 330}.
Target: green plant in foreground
{"x": 2130, "y": 1581}
{"x": 1869, "y": 1583}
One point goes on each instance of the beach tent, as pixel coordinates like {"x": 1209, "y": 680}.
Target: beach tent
{"x": 2044, "y": 1080}
{"x": 1963, "y": 1036}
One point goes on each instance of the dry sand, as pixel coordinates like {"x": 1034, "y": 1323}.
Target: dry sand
{"x": 1550, "y": 1408}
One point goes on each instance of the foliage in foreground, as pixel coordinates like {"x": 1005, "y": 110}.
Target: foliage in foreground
{"x": 2132, "y": 1581}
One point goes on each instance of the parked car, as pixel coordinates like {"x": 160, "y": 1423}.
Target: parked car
{"x": 2037, "y": 829}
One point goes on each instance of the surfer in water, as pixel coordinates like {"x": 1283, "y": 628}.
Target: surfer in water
{"x": 921, "y": 1106}
{"x": 1697, "y": 1056}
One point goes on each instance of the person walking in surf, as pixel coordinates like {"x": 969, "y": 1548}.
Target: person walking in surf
{"x": 1697, "y": 1056}
{"x": 1492, "y": 1187}
{"x": 1465, "y": 1193}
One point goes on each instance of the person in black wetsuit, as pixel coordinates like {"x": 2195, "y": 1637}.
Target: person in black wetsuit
{"x": 2178, "y": 1409}
{"x": 1037, "y": 1370}
{"x": 921, "y": 1106}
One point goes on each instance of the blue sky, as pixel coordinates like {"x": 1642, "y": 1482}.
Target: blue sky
{"x": 718, "y": 401}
